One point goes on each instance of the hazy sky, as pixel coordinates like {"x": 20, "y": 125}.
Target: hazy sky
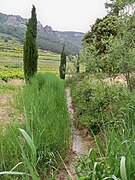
{"x": 72, "y": 15}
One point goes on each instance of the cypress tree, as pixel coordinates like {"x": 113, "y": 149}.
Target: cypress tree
{"x": 62, "y": 68}
{"x": 30, "y": 54}
{"x": 78, "y": 64}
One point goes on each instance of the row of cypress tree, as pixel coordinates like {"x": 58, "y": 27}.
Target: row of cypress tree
{"x": 30, "y": 50}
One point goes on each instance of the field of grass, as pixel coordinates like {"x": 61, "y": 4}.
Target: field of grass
{"x": 32, "y": 148}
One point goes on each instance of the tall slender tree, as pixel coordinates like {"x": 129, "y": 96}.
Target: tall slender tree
{"x": 30, "y": 54}
{"x": 62, "y": 68}
{"x": 78, "y": 64}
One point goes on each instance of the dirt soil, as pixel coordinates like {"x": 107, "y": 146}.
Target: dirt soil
{"x": 119, "y": 79}
{"x": 7, "y": 111}
{"x": 14, "y": 82}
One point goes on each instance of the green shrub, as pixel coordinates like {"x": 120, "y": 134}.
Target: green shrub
{"x": 112, "y": 107}
{"x": 113, "y": 159}
{"x": 99, "y": 104}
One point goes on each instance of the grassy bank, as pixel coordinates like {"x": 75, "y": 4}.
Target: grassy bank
{"x": 35, "y": 144}
{"x": 109, "y": 109}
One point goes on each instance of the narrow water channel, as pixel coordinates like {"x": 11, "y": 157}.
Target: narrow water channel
{"x": 80, "y": 144}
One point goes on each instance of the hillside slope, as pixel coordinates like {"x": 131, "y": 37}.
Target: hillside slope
{"x": 47, "y": 38}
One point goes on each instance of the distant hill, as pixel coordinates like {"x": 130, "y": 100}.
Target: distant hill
{"x": 47, "y": 39}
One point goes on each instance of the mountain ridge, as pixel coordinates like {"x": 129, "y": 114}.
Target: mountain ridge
{"x": 47, "y": 38}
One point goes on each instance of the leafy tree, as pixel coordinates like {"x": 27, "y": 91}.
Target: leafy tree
{"x": 96, "y": 44}
{"x": 30, "y": 49}
{"x": 115, "y": 6}
{"x": 100, "y": 34}
{"x": 62, "y": 67}
{"x": 122, "y": 50}
{"x": 112, "y": 51}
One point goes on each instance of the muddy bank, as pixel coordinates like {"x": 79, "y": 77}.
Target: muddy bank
{"x": 6, "y": 109}
{"x": 8, "y": 113}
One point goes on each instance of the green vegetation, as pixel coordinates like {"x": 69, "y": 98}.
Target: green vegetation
{"x": 102, "y": 32}
{"x": 11, "y": 73}
{"x": 5, "y": 88}
{"x": 33, "y": 148}
{"x": 30, "y": 52}
{"x": 110, "y": 49}
{"x": 106, "y": 108}
{"x": 110, "y": 110}
{"x": 62, "y": 67}
{"x": 98, "y": 103}
{"x": 11, "y": 61}
{"x": 7, "y": 38}
{"x": 116, "y": 6}
{"x": 45, "y": 132}
{"x": 96, "y": 45}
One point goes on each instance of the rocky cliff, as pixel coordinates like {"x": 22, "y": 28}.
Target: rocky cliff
{"x": 48, "y": 39}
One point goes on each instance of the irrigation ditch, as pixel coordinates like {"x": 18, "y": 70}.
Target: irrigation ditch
{"x": 82, "y": 142}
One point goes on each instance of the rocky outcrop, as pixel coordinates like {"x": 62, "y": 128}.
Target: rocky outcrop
{"x": 16, "y": 21}
{"x": 15, "y": 25}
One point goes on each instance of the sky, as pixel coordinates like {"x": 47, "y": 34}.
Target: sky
{"x": 62, "y": 15}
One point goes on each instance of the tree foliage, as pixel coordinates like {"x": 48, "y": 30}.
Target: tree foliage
{"x": 30, "y": 49}
{"x": 115, "y": 6}
{"x": 109, "y": 46}
{"x": 96, "y": 43}
{"x": 122, "y": 50}
{"x": 62, "y": 67}
{"x": 101, "y": 34}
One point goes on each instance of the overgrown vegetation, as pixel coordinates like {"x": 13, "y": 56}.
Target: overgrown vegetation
{"x": 32, "y": 149}
{"x": 108, "y": 106}
{"x": 99, "y": 104}
{"x": 114, "y": 117}
{"x": 45, "y": 132}
{"x": 109, "y": 47}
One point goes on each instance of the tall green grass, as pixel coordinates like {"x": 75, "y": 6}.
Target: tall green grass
{"x": 46, "y": 116}
{"x": 45, "y": 133}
